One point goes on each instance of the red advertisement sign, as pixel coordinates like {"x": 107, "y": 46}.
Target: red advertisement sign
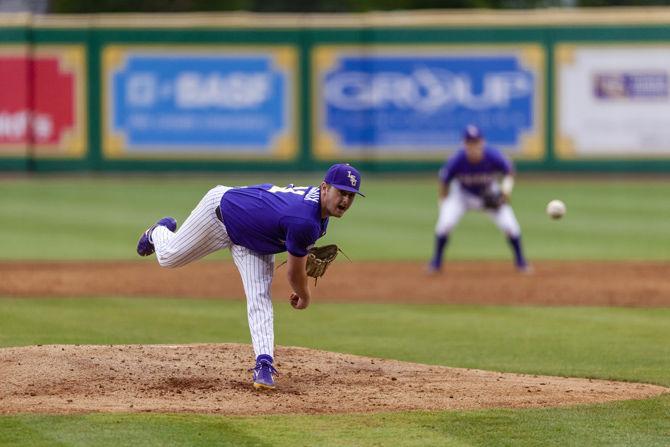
{"x": 40, "y": 102}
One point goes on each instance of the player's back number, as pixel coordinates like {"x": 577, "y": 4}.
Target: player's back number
{"x": 299, "y": 190}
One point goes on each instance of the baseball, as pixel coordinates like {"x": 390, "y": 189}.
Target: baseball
{"x": 556, "y": 209}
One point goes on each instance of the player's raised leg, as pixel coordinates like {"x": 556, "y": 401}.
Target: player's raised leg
{"x": 201, "y": 234}
{"x": 451, "y": 211}
{"x": 256, "y": 271}
{"x": 505, "y": 219}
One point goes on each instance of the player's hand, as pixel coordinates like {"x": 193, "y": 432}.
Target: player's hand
{"x": 298, "y": 302}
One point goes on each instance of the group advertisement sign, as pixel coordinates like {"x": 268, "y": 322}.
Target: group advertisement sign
{"x": 192, "y": 101}
{"x": 613, "y": 101}
{"x": 414, "y": 101}
{"x": 42, "y": 101}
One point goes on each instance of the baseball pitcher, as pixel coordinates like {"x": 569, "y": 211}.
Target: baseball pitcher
{"x": 255, "y": 223}
{"x": 469, "y": 180}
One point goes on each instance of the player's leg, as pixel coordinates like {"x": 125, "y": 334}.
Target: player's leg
{"x": 256, "y": 271}
{"x": 505, "y": 219}
{"x": 201, "y": 234}
{"x": 451, "y": 211}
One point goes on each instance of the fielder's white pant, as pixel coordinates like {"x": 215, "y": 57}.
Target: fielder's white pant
{"x": 203, "y": 233}
{"x": 459, "y": 201}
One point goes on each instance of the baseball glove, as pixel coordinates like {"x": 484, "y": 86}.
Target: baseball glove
{"x": 319, "y": 258}
{"x": 492, "y": 200}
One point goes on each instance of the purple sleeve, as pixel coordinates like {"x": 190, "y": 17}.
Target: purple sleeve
{"x": 301, "y": 234}
{"x": 448, "y": 170}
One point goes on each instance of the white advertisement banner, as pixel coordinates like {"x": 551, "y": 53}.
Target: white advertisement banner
{"x": 612, "y": 101}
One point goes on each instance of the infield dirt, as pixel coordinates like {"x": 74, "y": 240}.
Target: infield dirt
{"x": 637, "y": 284}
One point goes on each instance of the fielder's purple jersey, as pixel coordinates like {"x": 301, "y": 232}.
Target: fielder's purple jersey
{"x": 475, "y": 178}
{"x": 270, "y": 219}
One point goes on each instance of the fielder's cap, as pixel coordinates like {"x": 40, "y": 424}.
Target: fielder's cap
{"x": 472, "y": 133}
{"x": 344, "y": 177}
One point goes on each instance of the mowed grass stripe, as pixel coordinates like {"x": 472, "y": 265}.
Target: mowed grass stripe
{"x": 629, "y": 423}
{"x": 101, "y": 218}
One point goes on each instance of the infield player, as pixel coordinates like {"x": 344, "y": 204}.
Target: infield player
{"x": 255, "y": 223}
{"x": 476, "y": 177}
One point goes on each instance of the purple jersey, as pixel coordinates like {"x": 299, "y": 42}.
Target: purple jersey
{"x": 271, "y": 219}
{"x": 475, "y": 178}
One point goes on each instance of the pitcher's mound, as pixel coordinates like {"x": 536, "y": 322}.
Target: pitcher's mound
{"x": 213, "y": 378}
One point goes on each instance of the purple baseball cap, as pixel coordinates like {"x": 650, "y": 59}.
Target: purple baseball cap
{"x": 472, "y": 133}
{"x": 344, "y": 177}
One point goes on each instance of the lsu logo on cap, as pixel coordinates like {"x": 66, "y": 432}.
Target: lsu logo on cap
{"x": 352, "y": 178}
{"x": 344, "y": 177}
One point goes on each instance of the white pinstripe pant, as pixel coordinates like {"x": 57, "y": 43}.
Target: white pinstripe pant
{"x": 459, "y": 201}
{"x": 203, "y": 233}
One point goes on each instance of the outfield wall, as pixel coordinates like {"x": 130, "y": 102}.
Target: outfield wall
{"x": 558, "y": 90}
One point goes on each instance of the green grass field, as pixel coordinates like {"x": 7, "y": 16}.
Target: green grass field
{"x": 90, "y": 218}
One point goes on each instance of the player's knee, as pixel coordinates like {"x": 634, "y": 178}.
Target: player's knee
{"x": 169, "y": 260}
{"x": 441, "y": 233}
{"x": 514, "y": 232}
{"x": 167, "y": 263}
{"x": 443, "y": 228}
